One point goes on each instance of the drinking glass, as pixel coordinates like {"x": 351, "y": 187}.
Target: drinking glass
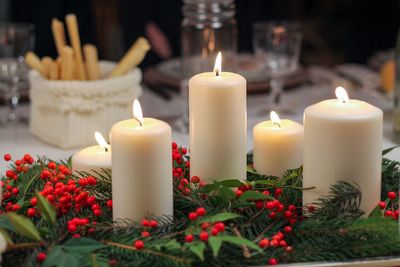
{"x": 277, "y": 47}
{"x": 15, "y": 40}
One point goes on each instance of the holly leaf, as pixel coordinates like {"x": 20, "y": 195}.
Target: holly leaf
{"x": 48, "y": 211}
{"x": 269, "y": 182}
{"x": 239, "y": 241}
{"x": 82, "y": 245}
{"x": 231, "y": 183}
{"x": 60, "y": 257}
{"x": 198, "y": 249}
{"x": 169, "y": 245}
{"x": 250, "y": 169}
{"x": 376, "y": 212}
{"x": 5, "y": 223}
{"x": 220, "y": 217}
{"x": 6, "y": 236}
{"x": 215, "y": 244}
{"x": 24, "y": 226}
{"x": 253, "y": 195}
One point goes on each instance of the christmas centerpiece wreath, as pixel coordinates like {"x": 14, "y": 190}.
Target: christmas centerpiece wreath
{"x": 53, "y": 218}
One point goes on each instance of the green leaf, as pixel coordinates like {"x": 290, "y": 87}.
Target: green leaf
{"x": 388, "y": 150}
{"x": 215, "y": 244}
{"x": 253, "y": 195}
{"x": 198, "y": 249}
{"x": 210, "y": 187}
{"x": 251, "y": 170}
{"x": 376, "y": 212}
{"x": 231, "y": 183}
{"x": 82, "y": 245}
{"x": 59, "y": 257}
{"x": 220, "y": 217}
{"x": 270, "y": 182}
{"x": 169, "y": 245}
{"x": 24, "y": 226}
{"x": 48, "y": 211}
{"x": 226, "y": 194}
{"x": 239, "y": 241}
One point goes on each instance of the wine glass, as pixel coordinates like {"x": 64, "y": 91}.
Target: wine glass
{"x": 277, "y": 47}
{"x": 15, "y": 40}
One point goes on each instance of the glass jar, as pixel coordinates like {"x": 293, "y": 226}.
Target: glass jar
{"x": 208, "y": 27}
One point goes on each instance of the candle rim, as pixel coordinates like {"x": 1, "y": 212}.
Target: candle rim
{"x": 225, "y": 79}
{"x": 127, "y": 127}
{"x": 354, "y": 109}
{"x": 268, "y": 126}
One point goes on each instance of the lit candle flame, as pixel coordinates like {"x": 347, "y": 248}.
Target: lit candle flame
{"x": 137, "y": 112}
{"x": 217, "y": 66}
{"x": 275, "y": 118}
{"x": 341, "y": 94}
{"x": 101, "y": 141}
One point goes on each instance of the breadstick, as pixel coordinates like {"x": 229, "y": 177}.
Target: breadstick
{"x": 67, "y": 63}
{"x": 34, "y": 62}
{"x": 132, "y": 58}
{"x": 73, "y": 32}
{"x": 57, "y": 28}
{"x": 92, "y": 62}
{"x": 54, "y": 71}
{"x": 46, "y": 63}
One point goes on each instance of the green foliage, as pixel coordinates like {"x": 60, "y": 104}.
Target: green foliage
{"x": 334, "y": 231}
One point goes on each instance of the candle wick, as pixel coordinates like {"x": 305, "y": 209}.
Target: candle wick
{"x": 217, "y": 72}
{"x": 106, "y": 149}
{"x": 277, "y": 124}
{"x": 140, "y": 123}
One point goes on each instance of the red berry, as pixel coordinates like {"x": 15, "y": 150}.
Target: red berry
{"x": 109, "y": 203}
{"x": 95, "y": 207}
{"x": 203, "y": 236}
{"x": 269, "y": 205}
{"x": 220, "y": 226}
{"x": 288, "y": 214}
{"x": 76, "y": 236}
{"x": 263, "y": 243}
{"x": 278, "y": 191}
{"x": 192, "y": 216}
{"x": 382, "y": 205}
{"x": 72, "y": 228}
{"x": 238, "y": 192}
{"x": 16, "y": 207}
{"x": 389, "y": 213}
{"x": 15, "y": 191}
{"x": 145, "y": 234}
{"x": 205, "y": 225}
{"x": 195, "y": 179}
{"x": 282, "y": 243}
{"x": 272, "y": 215}
{"x": 45, "y": 174}
{"x": 259, "y": 205}
{"x": 391, "y": 195}
{"x": 288, "y": 249}
{"x": 7, "y": 157}
{"x": 153, "y": 223}
{"x": 201, "y": 211}
{"x": 145, "y": 223}
{"x": 52, "y": 165}
{"x": 311, "y": 208}
{"x": 287, "y": 229}
{"x": 10, "y": 174}
{"x": 139, "y": 244}
{"x": 214, "y": 231}
{"x": 189, "y": 238}
{"x": 18, "y": 162}
{"x": 41, "y": 257}
{"x": 31, "y": 212}
{"x": 97, "y": 212}
{"x": 292, "y": 208}
{"x": 174, "y": 145}
{"x": 280, "y": 208}
{"x": 272, "y": 261}
{"x": 274, "y": 243}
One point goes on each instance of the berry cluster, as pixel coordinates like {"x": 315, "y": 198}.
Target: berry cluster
{"x": 148, "y": 225}
{"x": 207, "y": 228}
{"x": 389, "y": 205}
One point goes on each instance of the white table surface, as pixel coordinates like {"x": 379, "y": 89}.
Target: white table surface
{"x": 17, "y": 140}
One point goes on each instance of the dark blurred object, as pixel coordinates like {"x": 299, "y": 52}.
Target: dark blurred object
{"x": 137, "y": 20}
{"x": 40, "y": 13}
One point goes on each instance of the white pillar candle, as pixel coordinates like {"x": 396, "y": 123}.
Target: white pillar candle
{"x": 142, "y": 167}
{"x": 92, "y": 159}
{"x": 343, "y": 141}
{"x": 217, "y": 125}
{"x": 278, "y": 146}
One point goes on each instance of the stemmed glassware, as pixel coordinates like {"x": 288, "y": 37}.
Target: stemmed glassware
{"x": 15, "y": 40}
{"x": 277, "y": 47}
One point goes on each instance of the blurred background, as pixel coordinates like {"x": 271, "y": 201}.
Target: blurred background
{"x": 334, "y": 31}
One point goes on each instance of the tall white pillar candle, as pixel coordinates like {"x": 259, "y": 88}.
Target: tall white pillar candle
{"x": 217, "y": 125}
{"x": 142, "y": 167}
{"x": 343, "y": 141}
{"x": 278, "y": 146}
{"x": 92, "y": 159}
